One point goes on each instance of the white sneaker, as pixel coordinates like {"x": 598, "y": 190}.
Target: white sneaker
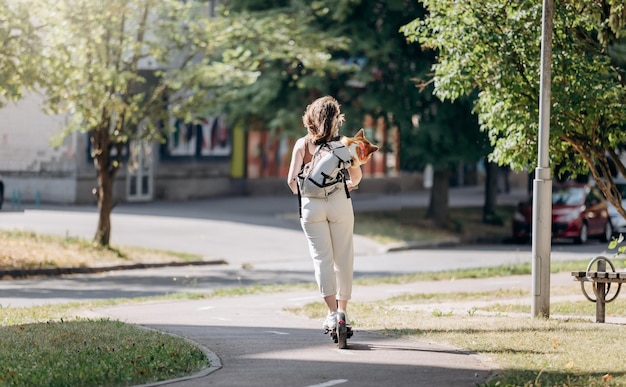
{"x": 331, "y": 321}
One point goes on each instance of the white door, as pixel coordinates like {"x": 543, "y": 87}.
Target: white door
{"x": 139, "y": 177}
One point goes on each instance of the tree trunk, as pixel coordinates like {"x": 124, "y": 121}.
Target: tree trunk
{"x": 438, "y": 207}
{"x": 106, "y": 165}
{"x": 105, "y": 206}
{"x": 491, "y": 191}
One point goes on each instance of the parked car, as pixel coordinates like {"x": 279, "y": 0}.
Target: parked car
{"x": 579, "y": 211}
{"x": 617, "y": 220}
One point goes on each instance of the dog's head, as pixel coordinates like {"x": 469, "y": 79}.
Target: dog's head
{"x": 361, "y": 149}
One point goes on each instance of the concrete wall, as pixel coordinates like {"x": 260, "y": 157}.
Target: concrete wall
{"x": 32, "y": 169}
{"x": 181, "y": 180}
{"x": 175, "y": 180}
{"x": 38, "y": 189}
{"x": 25, "y": 139}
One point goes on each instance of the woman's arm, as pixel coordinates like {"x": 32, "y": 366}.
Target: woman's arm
{"x": 355, "y": 177}
{"x": 297, "y": 156}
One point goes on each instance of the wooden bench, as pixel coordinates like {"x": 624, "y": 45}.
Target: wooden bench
{"x": 601, "y": 283}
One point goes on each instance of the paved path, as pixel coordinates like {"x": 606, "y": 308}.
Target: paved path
{"x": 258, "y": 344}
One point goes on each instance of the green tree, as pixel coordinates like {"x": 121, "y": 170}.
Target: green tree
{"x": 19, "y": 41}
{"x": 446, "y": 136}
{"x": 122, "y": 68}
{"x": 374, "y": 74}
{"x": 117, "y": 68}
{"x": 494, "y": 46}
{"x": 371, "y": 69}
{"x": 286, "y": 43}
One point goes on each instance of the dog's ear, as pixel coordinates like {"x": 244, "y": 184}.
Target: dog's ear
{"x": 373, "y": 148}
{"x": 360, "y": 133}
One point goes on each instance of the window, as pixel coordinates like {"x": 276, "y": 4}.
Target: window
{"x": 210, "y": 138}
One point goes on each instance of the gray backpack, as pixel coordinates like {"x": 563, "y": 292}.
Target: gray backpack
{"x": 327, "y": 169}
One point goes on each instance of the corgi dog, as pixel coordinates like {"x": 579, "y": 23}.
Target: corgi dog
{"x": 361, "y": 149}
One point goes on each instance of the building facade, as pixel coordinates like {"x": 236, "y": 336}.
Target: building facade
{"x": 196, "y": 161}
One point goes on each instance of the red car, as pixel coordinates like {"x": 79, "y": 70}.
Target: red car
{"x": 579, "y": 211}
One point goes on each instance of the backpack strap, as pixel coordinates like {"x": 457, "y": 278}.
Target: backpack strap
{"x": 345, "y": 183}
{"x": 299, "y": 201}
{"x": 307, "y": 153}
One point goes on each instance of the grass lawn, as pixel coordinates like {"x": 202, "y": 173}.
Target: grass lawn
{"x": 49, "y": 345}
{"x": 411, "y": 225}
{"x": 93, "y": 353}
{"x": 566, "y": 350}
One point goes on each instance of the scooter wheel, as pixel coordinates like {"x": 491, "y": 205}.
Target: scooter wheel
{"x": 342, "y": 331}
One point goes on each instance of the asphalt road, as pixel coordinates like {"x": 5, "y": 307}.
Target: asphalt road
{"x": 258, "y": 237}
{"x": 252, "y": 341}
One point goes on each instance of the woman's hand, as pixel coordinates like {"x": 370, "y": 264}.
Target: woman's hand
{"x": 351, "y": 185}
{"x": 355, "y": 178}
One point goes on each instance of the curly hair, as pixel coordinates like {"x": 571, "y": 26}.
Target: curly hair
{"x": 322, "y": 119}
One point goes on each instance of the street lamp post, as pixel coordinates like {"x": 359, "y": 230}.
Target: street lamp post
{"x": 542, "y": 184}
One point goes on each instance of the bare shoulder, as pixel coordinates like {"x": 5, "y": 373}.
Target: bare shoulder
{"x": 300, "y": 144}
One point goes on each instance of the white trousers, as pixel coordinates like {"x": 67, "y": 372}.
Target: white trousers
{"x": 329, "y": 228}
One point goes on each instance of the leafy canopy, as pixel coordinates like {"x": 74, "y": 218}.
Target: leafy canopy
{"x": 113, "y": 65}
{"x": 493, "y": 46}
{"x": 372, "y": 70}
{"x": 291, "y": 44}
{"x": 19, "y": 42}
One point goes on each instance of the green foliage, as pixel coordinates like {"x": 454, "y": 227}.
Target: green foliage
{"x": 127, "y": 66}
{"x": 494, "y": 46}
{"x": 618, "y": 244}
{"x": 496, "y": 49}
{"x": 140, "y": 62}
{"x": 124, "y": 69}
{"x": 373, "y": 71}
{"x": 448, "y": 134}
{"x": 20, "y": 44}
{"x": 292, "y": 53}
{"x": 124, "y": 66}
{"x": 342, "y": 31}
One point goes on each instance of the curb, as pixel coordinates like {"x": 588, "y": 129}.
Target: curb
{"x": 450, "y": 242}
{"x": 215, "y": 363}
{"x": 56, "y": 271}
{"x": 403, "y": 246}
